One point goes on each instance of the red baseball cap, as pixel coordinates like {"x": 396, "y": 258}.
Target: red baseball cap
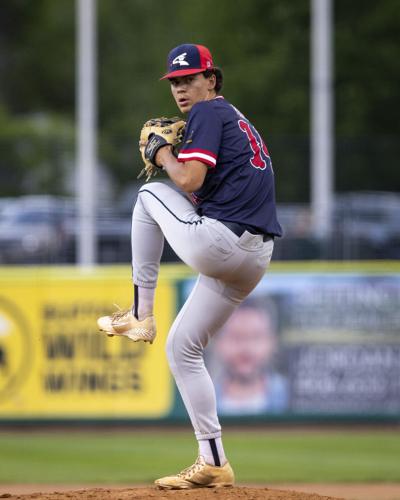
{"x": 188, "y": 59}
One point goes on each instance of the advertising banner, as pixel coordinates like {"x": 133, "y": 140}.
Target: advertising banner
{"x": 55, "y": 364}
{"x": 311, "y": 344}
{"x": 304, "y": 344}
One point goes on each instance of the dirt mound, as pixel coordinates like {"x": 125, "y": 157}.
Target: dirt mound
{"x": 236, "y": 493}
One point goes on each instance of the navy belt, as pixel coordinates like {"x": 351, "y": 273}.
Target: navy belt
{"x": 239, "y": 229}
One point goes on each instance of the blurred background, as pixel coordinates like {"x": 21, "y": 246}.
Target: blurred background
{"x": 265, "y": 51}
{"x": 320, "y": 80}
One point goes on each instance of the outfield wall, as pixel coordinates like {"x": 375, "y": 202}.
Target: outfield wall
{"x": 315, "y": 341}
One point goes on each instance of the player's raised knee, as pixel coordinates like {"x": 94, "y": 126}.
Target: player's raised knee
{"x": 160, "y": 189}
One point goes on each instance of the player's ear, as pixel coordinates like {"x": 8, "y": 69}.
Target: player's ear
{"x": 212, "y": 80}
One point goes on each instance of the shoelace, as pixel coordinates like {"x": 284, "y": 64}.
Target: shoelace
{"x": 120, "y": 313}
{"x": 192, "y": 469}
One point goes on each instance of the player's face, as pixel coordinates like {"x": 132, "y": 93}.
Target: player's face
{"x": 246, "y": 345}
{"x": 190, "y": 89}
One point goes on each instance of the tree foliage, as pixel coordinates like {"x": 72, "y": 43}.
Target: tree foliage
{"x": 263, "y": 48}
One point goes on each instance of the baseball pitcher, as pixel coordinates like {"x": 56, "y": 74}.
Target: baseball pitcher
{"x": 221, "y": 222}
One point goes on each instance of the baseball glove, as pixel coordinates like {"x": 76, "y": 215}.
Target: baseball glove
{"x": 155, "y": 134}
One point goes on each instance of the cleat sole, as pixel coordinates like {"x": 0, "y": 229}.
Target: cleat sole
{"x": 197, "y": 486}
{"x": 129, "y": 336}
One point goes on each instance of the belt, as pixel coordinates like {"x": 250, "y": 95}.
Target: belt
{"x": 239, "y": 229}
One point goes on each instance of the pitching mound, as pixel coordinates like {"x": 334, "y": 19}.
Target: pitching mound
{"x": 236, "y": 493}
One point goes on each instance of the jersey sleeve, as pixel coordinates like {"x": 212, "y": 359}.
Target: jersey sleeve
{"x": 203, "y": 135}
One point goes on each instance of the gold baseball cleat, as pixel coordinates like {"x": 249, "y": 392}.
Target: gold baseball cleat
{"x": 124, "y": 323}
{"x": 198, "y": 475}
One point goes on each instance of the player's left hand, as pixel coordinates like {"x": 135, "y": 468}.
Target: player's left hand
{"x": 155, "y": 134}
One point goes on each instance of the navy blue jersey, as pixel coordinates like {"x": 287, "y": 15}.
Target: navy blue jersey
{"x": 239, "y": 184}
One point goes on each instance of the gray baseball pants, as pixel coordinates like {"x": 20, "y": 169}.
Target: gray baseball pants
{"x": 229, "y": 268}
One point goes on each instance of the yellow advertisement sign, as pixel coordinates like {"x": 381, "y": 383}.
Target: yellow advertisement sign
{"x": 54, "y": 363}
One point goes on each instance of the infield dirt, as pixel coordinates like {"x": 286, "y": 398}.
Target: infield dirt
{"x": 236, "y": 493}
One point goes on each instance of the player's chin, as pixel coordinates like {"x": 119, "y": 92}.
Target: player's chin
{"x": 185, "y": 107}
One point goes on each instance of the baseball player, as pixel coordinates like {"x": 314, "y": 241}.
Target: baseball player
{"x": 225, "y": 232}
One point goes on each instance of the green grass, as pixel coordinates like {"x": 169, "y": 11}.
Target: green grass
{"x": 257, "y": 456}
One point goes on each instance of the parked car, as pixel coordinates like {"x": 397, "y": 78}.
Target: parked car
{"x": 31, "y": 229}
{"x": 45, "y": 229}
{"x": 113, "y": 235}
{"x": 368, "y": 224}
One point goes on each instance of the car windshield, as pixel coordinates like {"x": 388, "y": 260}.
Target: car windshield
{"x": 27, "y": 216}
{"x": 34, "y": 217}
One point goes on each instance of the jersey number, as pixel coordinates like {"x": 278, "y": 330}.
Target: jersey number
{"x": 260, "y": 158}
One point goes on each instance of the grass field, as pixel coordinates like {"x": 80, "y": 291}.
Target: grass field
{"x": 257, "y": 456}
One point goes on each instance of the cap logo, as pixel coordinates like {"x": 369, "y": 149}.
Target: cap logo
{"x": 181, "y": 60}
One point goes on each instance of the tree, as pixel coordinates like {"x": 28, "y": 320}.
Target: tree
{"x": 263, "y": 48}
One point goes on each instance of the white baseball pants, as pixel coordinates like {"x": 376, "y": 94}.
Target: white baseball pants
{"x": 229, "y": 268}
